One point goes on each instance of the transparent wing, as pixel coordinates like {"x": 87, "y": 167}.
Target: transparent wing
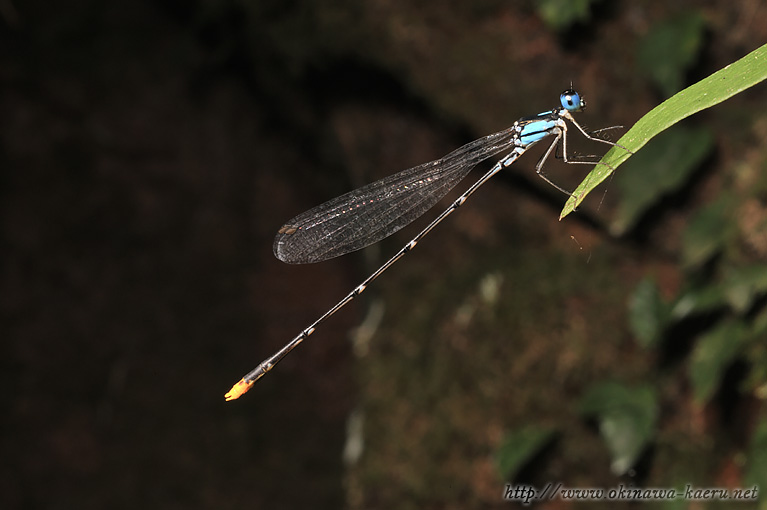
{"x": 368, "y": 214}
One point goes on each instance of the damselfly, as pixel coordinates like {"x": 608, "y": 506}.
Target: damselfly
{"x": 371, "y": 213}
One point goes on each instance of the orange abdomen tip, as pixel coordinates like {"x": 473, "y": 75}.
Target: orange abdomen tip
{"x": 238, "y": 389}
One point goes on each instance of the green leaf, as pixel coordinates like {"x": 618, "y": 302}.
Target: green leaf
{"x": 626, "y": 417}
{"x": 713, "y": 354}
{"x": 561, "y": 14}
{"x": 707, "y": 232}
{"x": 670, "y": 49}
{"x": 756, "y": 464}
{"x": 743, "y": 285}
{"x": 759, "y": 324}
{"x": 738, "y": 289}
{"x": 662, "y": 167}
{"x": 518, "y": 447}
{"x": 698, "y": 300}
{"x": 723, "y": 84}
{"x": 648, "y": 313}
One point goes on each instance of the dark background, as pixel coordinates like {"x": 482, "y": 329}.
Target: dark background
{"x": 151, "y": 150}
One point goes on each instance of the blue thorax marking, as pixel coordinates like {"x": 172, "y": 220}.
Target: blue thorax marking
{"x": 537, "y": 127}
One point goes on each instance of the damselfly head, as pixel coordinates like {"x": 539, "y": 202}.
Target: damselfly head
{"x": 572, "y": 101}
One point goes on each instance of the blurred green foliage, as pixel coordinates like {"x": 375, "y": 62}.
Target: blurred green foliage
{"x": 669, "y": 50}
{"x": 708, "y": 231}
{"x": 627, "y": 418}
{"x": 519, "y": 446}
{"x": 756, "y": 467}
{"x": 663, "y": 166}
{"x": 713, "y": 353}
{"x": 562, "y": 14}
{"x": 733, "y": 291}
{"x": 648, "y": 313}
